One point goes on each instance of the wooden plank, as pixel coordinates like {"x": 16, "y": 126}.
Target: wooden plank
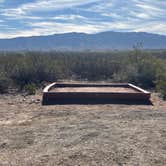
{"x": 70, "y": 95}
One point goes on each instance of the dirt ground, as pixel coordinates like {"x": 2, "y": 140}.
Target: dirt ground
{"x": 95, "y": 89}
{"x": 82, "y": 135}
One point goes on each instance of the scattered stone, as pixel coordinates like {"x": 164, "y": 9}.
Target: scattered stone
{"x": 10, "y": 103}
{"x": 3, "y": 145}
{"x": 24, "y": 99}
{"x": 34, "y": 101}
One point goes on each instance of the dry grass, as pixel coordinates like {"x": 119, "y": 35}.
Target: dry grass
{"x": 32, "y": 134}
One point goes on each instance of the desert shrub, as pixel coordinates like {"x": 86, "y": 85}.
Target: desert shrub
{"x": 161, "y": 79}
{"x": 30, "y": 89}
{"x": 128, "y": 73}
{"x": 4, "y": 84}
{"x": 146, "y": 71}
{"x": 36, "y": 69}
{"x": 138, "y": 66}
{"x": 22, "y": 74}
{"x": 161, "y": 86}
{"x": 93, "y": 66}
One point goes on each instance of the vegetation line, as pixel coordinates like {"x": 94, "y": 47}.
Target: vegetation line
{"x": 28, "y": 70}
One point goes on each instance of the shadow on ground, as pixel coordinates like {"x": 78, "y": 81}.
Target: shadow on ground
{"x": 94, "y": 102}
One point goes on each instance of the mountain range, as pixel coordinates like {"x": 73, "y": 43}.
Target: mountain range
{"x": 81, "y": 41}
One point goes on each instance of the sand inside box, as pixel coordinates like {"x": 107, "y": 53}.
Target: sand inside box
{"x": 94, "y": 89}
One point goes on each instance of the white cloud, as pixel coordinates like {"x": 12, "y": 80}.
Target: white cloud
{"x": 101, "y": 15}
{"x": 47, "y": 5}
{"x": 148, "y": 7}
{"x": 53, "y": 27}
{"x": 46, "y": 28}
{"x": 17, "y": 14}
{"x": 159, "y": 28}
{"x": 25, "y": 11}
{"x": 69, "y": 17}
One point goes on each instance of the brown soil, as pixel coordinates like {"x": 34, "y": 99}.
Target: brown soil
{"x": 94, "y": 89}
{"x": 85, "y": 135}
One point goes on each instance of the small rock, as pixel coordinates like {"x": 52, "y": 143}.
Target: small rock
{"x": 10, "y": 103}
{"x": 3, "y": 145}
{"x": 34, "y": 101}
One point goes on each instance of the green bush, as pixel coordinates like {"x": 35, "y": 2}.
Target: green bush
{"x": 161, "y": 80}
{"x": 36, "y": 69}
{"x": 26, "y": 69}
{"x": 4, "y": 84}
{"x": 30, "y": 89}
{"x": 138, "y": 68}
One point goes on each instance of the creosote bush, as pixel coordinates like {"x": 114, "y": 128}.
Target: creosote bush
{"x": 30, "y": 89}
{"x": 161, "y": 80}
{"x": 26, "y": 69}
{"x": 4, "y": 84}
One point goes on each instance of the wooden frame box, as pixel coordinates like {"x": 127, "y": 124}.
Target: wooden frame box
{"x": 94, "y": 93}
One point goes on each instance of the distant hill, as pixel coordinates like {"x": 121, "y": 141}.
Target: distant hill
{"x": 82, "y": 41}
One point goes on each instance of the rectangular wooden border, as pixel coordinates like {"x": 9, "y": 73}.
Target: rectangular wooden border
{"x": 140, "y": 95}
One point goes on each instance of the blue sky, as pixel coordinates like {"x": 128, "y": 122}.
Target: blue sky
{"x": 44, "y": 17}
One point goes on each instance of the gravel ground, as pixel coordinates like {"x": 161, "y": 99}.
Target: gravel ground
{"x": 82, "y": 135}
